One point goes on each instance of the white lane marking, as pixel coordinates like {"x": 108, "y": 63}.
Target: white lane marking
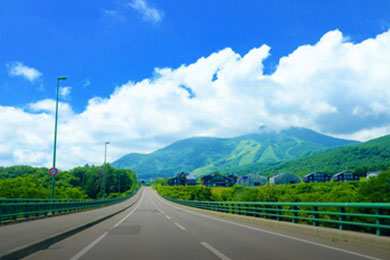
{"x": 168, "y": 217}
{"x": 215, "y": 251}
{"x": 270, "y": 232}
{"x": 180, "y": 226}
{"x": 154, "y": 205}
{"x": 86, "y": 249}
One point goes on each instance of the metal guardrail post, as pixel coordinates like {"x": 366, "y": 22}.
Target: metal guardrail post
{"x": 378, "y": 221}
{"x": 342, "y": 218}
{"x": 315, "y": 216}
{"x": 278, "y": 213}
{"x": 295, "y": 214}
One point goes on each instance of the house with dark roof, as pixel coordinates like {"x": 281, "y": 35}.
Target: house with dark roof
{"x": 373, "y": 174}
{"x": 346, "y": 176}
{"x": 316, "y": 177}
{"x": 182, "y": 179}
{"x": 234, "y": 177}
{"x": 284, "y": 178}
{"x": 252, "y": 180}
{"x": 217, "y": 180}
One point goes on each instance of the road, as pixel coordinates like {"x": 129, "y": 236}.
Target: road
{"x": 156, "y": 229}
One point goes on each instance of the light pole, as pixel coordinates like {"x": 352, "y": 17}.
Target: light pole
{"x": 104, "y": 170}
{"x": 55, "y": 135}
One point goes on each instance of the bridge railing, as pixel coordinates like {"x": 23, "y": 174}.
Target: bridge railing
{"x": 13, "y": 209}
{"x": 363, "y": 217}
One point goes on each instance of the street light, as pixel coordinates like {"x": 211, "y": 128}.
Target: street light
{"x": 55, "y": 135}
{"x": 104, "y": 170}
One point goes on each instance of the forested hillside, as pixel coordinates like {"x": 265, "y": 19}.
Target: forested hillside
{"x": 78, "y": 183}
{"x": 202, "y": 155}
{"x": 369, "y": 156}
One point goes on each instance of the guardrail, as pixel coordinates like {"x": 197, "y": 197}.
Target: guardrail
{"x": 364, "y": 217}
{"x": 13, "y": 209}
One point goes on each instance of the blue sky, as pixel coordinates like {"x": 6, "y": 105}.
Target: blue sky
{"x": 83, "y": 40}
{"x": 145, "y": 73}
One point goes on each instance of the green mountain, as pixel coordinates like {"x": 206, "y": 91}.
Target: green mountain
{"x": 369, "y": 156}
{"x": 202, "y": 155}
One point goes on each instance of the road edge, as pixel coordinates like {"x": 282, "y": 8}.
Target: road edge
{"x": 34, "y": 247}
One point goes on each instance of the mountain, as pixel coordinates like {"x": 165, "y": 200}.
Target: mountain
{"x": 369, "y": 156}
{"x": 202, "y": 155}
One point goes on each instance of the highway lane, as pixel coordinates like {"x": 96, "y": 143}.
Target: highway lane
{"x": 154, "y": 229}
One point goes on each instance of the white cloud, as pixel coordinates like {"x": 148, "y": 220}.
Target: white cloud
{"x": 65, "y": 91}
{"x": 115, "y": 14}
{"x": 334, "y": 86}
{"x": 19, "y": 69}
{"x": 150, "y": 14}
{"x": 86, "y": 83}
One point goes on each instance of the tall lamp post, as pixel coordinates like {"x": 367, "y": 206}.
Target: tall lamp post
{"x": 55, "y": 139}
{"x": 104, "y": 170}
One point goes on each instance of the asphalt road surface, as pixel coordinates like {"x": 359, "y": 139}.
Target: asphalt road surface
{"x": 155, "y": 229}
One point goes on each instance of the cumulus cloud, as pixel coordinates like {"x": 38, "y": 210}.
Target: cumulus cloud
{"x": 86, "y": 83}
{"x": 334, "y": 86}
{"x": 65, "y": 91}
{"x": 150, "y": 14}
{"x": 19, "y": 69}
{"x": 114, "y": 14}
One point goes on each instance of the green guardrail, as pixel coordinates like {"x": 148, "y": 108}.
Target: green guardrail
{"x": 13, "y": 209}
{"x": 363, "y": 217}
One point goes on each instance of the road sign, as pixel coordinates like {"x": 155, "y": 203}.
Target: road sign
{"x": 53, "y": 171}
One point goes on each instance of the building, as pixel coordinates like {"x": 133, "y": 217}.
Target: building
{"x": 216, "y": 180}
{"x": 252, "y": 180}
{"x": 316, "y": 177}
{"x": 191, "y": 179}
{"x": 373, "y": 174}
{"x": 346, "y": 176}
{"x": 182, "y": 179}
{"x": 234, "y": 178}
{"x": 284, "y": 178}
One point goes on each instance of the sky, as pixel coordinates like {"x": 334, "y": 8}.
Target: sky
{"x": 145, "y": 73}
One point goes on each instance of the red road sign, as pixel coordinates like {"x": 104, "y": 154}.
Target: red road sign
{"x": 53, "y": 171}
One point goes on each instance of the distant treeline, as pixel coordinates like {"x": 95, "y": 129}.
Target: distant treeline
{"x": 79, "y": 183}
{"x": 375, "y": 189}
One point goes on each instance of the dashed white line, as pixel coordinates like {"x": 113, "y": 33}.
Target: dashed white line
{"x": 168, "y": 217}
{"x": 269, "y": 232}
{"x": 180, "y": 226}
{"x": 85, "y": 250}
{"x": 215, "y": 251}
